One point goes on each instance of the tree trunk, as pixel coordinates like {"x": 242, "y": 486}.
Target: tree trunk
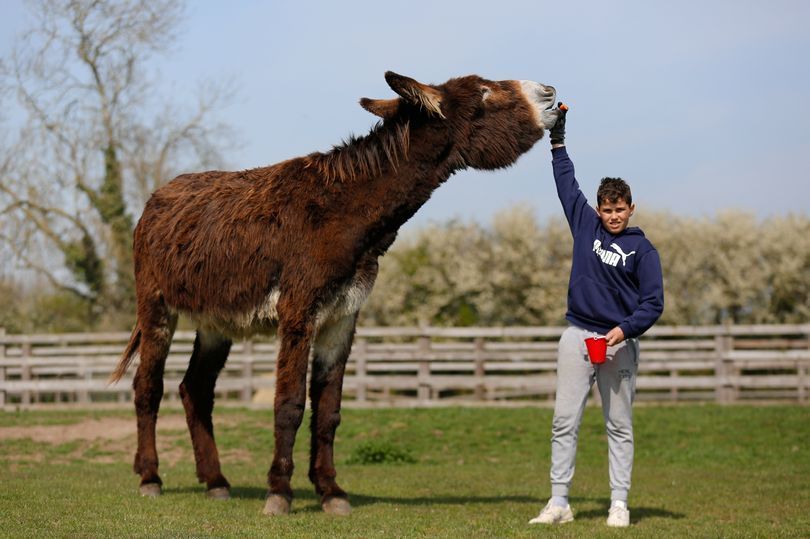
{"x": 112, "y": 207}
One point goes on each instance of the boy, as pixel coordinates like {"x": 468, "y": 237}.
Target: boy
{"x": 616, "y": 290}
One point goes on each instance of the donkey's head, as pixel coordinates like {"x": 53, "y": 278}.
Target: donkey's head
{"x": 478, "y": 123}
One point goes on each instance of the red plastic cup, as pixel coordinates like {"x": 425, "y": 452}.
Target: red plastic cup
{"x": 597, "y": 349}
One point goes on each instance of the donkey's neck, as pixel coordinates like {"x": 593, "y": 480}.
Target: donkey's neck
{"x": 431, "y": 161}
{"x": 389, "y": 199}
{"x": 392, "y": 171}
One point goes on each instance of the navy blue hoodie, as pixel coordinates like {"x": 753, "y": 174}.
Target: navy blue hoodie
{"x": 615, "y": 280}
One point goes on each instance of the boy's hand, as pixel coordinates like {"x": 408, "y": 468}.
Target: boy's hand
{"x": 614, "y": 336}
{"x": 557, "y": 133}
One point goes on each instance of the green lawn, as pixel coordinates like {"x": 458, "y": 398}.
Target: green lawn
{"x": 700, "y": 471}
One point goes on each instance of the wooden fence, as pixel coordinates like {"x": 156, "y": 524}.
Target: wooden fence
{"x": 428, "y": 365}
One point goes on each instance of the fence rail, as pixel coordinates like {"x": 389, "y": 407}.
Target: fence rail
{"x": 430, "y": 365}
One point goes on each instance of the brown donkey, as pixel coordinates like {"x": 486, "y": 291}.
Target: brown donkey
{"x": 292, "y": 248}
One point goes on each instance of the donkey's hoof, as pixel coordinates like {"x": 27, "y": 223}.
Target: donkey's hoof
{"x": 276, "y": 504}
{"x": 337, "y": 506}
{"x": 150, "y": 490}
{"x": 219, "y": 493}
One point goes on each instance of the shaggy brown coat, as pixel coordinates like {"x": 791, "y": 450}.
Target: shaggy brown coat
{"x": 292, "y": 248}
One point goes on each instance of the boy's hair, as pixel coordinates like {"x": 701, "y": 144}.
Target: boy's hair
{"x": 612, "y": 190}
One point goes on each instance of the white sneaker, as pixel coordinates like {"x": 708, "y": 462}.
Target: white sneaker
{"x": 553, "y": 514}
{"x": 618, "y": 516}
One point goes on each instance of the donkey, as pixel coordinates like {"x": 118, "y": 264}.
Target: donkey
{"x": 292, "y": 248}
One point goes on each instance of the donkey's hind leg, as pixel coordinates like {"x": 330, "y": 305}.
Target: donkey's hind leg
{"x": 331, "y": 350}
{"x": 157, "y": 328}
{"x": 197, "y": 391}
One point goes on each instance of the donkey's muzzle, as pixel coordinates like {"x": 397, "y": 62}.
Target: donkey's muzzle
{"x": 542, "y": 98}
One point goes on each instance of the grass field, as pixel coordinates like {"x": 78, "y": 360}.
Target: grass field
{"x": 700, "y": 471}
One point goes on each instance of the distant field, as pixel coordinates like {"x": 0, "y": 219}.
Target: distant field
{"x": 700, "y": 471}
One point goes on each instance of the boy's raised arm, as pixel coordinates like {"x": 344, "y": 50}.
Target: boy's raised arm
{"x": 574, "y": 203}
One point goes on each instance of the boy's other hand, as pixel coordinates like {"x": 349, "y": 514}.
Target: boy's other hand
{"x": 614, "y": 336}
{"x": 557, "y": 133}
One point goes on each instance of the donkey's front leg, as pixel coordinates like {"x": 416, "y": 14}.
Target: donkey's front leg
{"x": 291, "y": 379}
{"x": 332, "y": 347}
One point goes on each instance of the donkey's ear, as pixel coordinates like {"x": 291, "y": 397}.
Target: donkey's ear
{"x": 415, "y": 92}
{"x": 384, "y": 108}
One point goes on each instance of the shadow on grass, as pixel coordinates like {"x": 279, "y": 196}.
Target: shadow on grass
{"x": 636, "y": 513}
{"x": 241, "y": 493}
{"x": 359, "y": 500}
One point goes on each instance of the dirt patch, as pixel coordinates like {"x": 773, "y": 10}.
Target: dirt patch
{"x": 109, "y": 440}
{"x": 237, "y": 455}
{"x": 88, "y": 430}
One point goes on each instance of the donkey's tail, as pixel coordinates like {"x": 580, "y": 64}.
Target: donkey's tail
{"x": 126, "y": 357}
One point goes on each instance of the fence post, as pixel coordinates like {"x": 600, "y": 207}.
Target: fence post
{"x": 801, "y": 372}
{"x": 25, "y": 371}
{"x": 723, "y": 390}
{"x": 732, "y": 372}
{"x": 673, "y": 390}
{"x": 480, "y": 369}
{"x": 2, "y": 367}
{"x": 247, "y": 372}
{"x": 423, "y": 376}
{"x": 85, "y": 373}
{"x": 359, "y": 351}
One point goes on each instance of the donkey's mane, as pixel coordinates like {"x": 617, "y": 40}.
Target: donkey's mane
{"x": 366, "y": 156}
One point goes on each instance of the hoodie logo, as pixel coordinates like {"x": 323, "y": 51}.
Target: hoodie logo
{"x": 609, "y": 257}
{"x": 623, "y": 255}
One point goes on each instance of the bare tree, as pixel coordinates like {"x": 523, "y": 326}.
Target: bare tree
{"x": 96, "y": 141}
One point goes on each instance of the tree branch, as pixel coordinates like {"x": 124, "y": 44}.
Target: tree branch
{"x": 30, "y": 264}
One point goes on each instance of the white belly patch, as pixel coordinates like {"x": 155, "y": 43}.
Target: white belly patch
{"x": 263, "y": 318}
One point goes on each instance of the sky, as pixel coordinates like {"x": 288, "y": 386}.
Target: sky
{"x": 702, "y": 106}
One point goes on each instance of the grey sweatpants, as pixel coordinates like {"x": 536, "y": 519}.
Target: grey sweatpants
{"x": 616, "y": 380}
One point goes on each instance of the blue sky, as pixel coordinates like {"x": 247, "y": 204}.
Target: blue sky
{"x": 700, "y": 105}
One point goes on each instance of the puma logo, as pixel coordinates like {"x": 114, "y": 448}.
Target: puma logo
{"x": 622, "y": 253}
{"x": 610, "y": 258}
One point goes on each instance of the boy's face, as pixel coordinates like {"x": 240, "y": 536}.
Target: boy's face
{"x": 615, "y": 216}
